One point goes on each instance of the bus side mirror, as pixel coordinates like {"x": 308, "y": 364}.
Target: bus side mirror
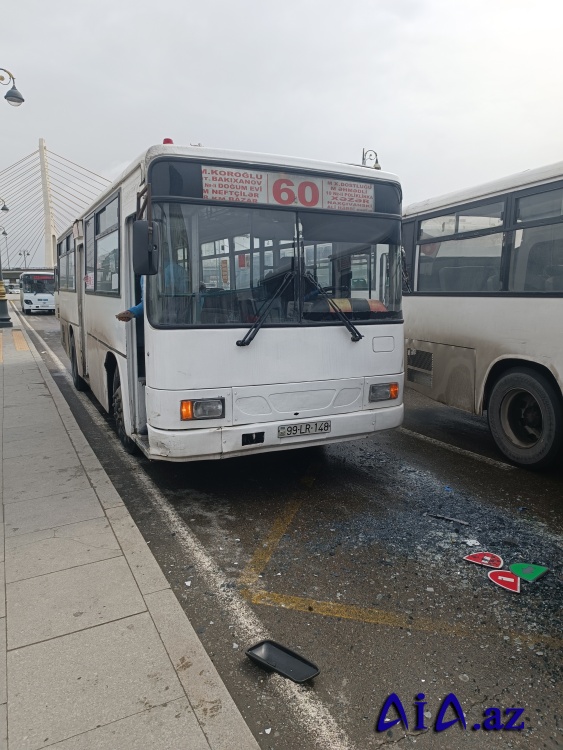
{"x": 145, "y": 249}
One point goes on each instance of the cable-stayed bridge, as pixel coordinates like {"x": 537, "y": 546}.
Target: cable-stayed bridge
{"x": 42, "y": 194}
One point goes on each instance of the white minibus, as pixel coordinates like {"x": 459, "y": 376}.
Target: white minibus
{"x": 37, "y": 292}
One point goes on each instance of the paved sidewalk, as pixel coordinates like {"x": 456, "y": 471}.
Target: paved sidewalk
{"x": 99, "y": 655}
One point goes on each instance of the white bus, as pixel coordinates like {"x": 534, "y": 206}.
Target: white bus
{"x": 37, "y": 292}
{"x": 271, "y": 291}
{"x": 483, "y": 317}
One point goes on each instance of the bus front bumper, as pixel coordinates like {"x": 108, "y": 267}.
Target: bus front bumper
{"x": 227, "y": 442}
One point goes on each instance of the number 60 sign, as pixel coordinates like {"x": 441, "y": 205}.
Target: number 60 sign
{"x": 296, "y": 192}
{"x": 279, "y": 189}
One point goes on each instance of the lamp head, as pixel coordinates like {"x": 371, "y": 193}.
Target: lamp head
{"x": 14, "y": 97}
{"x": 370, "y": 155}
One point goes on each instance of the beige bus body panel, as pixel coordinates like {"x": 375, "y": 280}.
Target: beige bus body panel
{"x": 485, "y": 330}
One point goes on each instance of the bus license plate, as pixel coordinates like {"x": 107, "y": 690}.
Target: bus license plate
{"x": 306, "y": 428}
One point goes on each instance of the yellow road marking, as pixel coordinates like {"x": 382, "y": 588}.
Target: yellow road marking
{"x": 19, "y": 341}
{"x": 263, "y": 554}
{"x": 381, "y": 617}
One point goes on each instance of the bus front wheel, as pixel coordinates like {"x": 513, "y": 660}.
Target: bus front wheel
{"x": 126, "y": 441}
{"x": 526, "y": 418}
{"x": 79, "y": 383}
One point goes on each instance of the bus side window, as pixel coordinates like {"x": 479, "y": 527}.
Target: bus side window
{"x": 428, "y": 280}
{"x": 537, "y": 259}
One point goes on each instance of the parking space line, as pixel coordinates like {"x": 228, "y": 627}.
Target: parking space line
{"x": 263, "y": 554}
{"x": 455, "y": 449}
{"x": 386, "y": 618}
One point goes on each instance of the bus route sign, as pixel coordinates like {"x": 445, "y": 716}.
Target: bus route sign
{"x": 282, "y": 189}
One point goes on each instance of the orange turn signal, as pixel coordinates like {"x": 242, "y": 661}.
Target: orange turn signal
{"x": 202, "y": 408}
{"x": 186, "y": 410}
{"x": 383, "y": 391}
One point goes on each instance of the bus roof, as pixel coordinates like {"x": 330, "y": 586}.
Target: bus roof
{"x": 221, "y": 155}
{"x": 528, "y": 178}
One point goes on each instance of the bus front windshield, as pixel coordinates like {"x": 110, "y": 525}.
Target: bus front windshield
{"x": 38, "y": 284}
{"x": 222, "y": 266}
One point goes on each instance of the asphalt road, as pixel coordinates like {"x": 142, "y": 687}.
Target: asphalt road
{"x": 335, "y": 553}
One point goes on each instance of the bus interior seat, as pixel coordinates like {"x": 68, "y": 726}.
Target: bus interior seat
{"x": 247, "y": 309}
{"x": 539, "y": 259}
{"x": 291, "y": 310}
{"x": 554, "y": 280}
{"x": 228, "y": 307}
{"x": 493, "y": 282}
{"x": 214, "y": 316}
{"x": 428, "y": 280}
{"x": 463, "y": 278}
{"x": 275, "y": 313}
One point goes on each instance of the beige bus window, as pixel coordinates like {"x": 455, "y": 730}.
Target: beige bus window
{"x": 482, "y": 217}
{"x": 548, "y": 205}
{"x": 439, "y": 226}
{"x": 465, "y": 265}
{"x": 536, "y": 263}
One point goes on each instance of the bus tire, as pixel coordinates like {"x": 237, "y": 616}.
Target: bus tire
{"x": 79, "y": 383}
{"x": 126, "y": 441}
{"x": 526, "y": 418}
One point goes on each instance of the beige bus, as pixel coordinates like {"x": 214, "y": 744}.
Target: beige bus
{"x": 484, "y": 312}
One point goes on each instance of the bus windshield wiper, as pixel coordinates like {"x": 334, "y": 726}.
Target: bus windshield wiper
{"x": 356, "y": 335}
{"x": 404, "y": 271}
{"x": 255, "y": 327}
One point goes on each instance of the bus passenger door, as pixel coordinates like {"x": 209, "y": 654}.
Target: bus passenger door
{"x": 134, "y": 337}
{"x": 80, "y": 287}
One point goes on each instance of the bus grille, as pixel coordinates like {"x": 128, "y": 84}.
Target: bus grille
{"x": 419, "y": 367}
{"x": 422, "y": 378}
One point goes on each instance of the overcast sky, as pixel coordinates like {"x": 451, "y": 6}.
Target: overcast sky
{"x": 448, "y": 93}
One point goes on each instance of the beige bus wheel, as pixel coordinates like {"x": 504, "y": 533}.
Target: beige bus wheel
{"x": 526, "y": 418}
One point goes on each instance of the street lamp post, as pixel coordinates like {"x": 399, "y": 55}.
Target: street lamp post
{"x": 5, "y": 235}
{"x": 370, "y": 155}
{"x": 5, "y": 321}
{"x": 13, "y": 96}
{"x": 25, "y": 253}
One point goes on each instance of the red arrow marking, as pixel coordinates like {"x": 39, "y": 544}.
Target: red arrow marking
{"x": 506, "y": 580}
{"x": 488, "y": 559}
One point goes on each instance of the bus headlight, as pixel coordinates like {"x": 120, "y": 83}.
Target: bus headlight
{"x": 383, "y": 391}
{"x": 207, "y": 408}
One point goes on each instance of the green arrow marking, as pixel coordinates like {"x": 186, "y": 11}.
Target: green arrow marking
{"x": 528, "y": 571}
